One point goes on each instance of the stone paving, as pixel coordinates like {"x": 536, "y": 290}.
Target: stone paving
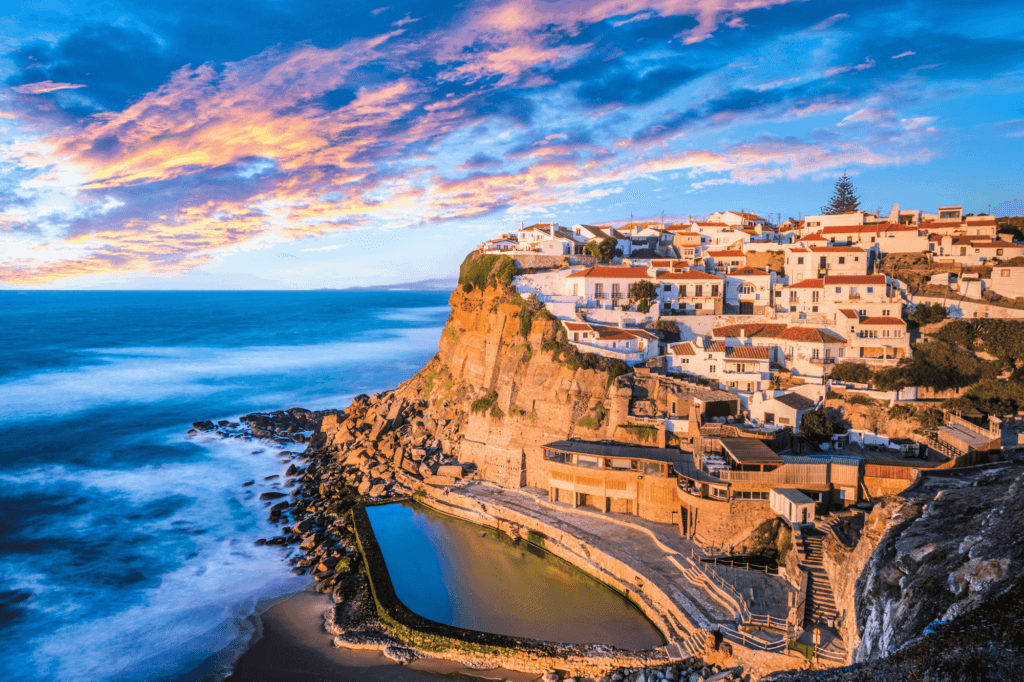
{"x": 636, "y": 548}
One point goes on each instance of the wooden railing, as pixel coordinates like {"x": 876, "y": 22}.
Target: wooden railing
{"x": 788, "y": 474}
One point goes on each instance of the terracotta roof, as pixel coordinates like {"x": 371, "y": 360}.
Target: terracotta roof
{"x": 712, "y": 224}
{"x": 854, "y": 279}
{"x": 749, "y": 272}
{"x": 750, "y": 329}
{"x": 889, "y": 321}
{"x": 682, "y": 349}
{"x": 689, "y": 275}
{"x": 799, "y": 249}
{"x": 747, "y": 353}
{"x": 727, "y": 253}
{"x": 808, "y": 284}
{"x": 994, "y": 245}
{"x": 837, "y": 249}
{"x": 716, "y": 347}
{"x": 612, "y": 272}
{"x": 811, "y": 335}
{"x": 666, "y": 262}
{"x": 577, "y": 326}
{"x": 849, "y": 313}
{"x": 619, "y": 333}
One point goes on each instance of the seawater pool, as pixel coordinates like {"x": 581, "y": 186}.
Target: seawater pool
{"x": 465, "y": 575}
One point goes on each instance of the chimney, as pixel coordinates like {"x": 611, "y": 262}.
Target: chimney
{"x": 552, "y": 230}
{"x": 622, "y": 321}
{"x": 743, "y": 334}
{"x": 894, "y": 216}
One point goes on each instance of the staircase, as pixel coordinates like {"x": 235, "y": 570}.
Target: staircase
{"x": 821, "y": 603}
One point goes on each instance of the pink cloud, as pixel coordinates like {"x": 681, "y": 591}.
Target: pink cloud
{"x": 43, "y": 87}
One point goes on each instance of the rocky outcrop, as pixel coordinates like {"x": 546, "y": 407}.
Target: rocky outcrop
{"x": 937, "y": 578}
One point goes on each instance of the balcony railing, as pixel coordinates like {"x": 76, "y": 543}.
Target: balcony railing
{"x": 600, "y": 295}
{"x": 822, "y": 361}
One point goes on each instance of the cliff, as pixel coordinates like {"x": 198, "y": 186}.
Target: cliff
{"x": 507, "y": 381}
{"x": 933, "y": 588}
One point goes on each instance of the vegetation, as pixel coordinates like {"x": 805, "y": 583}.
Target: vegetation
{"x": 589, "y": 422}
{"x": 604, "y": 250}
{"x": 645, "y": 434}
{"x": 852, "y": 372}
{"x": 999, "y": 337}
{"x": 938, "y": 366}
{"x": 996, "y": 398}
{"x": 483, "y": 404}
{"x": 772, "y": 540}
{"x": 644, "y": 291}
{"x": 496, "y": 412}
{"x": 516, "y": 411}
{"x": 480, "y": 271}
{"x": 843, "y": 198}
{"x": 861, "y": 399}
{"x": 816, "y": 428}
{"x": 669, "y": 328}
{"x": 928, "y": 313}
{"x": 531, "y": 308}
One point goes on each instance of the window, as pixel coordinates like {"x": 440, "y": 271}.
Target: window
{"x": 586, "y": 461}
{"x": 682, "y": 291}
{"x": 999, "y": 252}
{"x": 720, "y": 493}
{"x": 575, "y": 336}
{"x": 792, "y": 295}
{"x": 598, "y": 290}
{"x": 746, "y": 288}
{"x": 800, "y": 260}
{"x": 963, "y": 250}
{"x": 814, "y": 297}
{"x": 653, "y": 468}
{"x": 815, "y": 354}
{"x": 699, "y": 290}
{"x": 1004, "y": 273}
{"x": 842, "y": 260}
{"x": 871, "y": 290}
{"x": 714, "y": 290}
{"x": 814, "y": 308}
{"x": 712, "y": 369}
{"x": 620, "y": 464}
{"x": 615, "y": 291}
{"x": 666, "y": 287}
{"x": 839, "y": 290}
{"x": 697, "y": 306}
{"x": 575, "y": 288}
{"x": 769, "y": 418}
{"x": 554, "y": 456}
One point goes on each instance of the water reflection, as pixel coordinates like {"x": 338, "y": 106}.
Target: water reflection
{"x": 460, "y": 574}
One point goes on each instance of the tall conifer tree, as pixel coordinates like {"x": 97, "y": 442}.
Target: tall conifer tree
{"x": 843, "y": 199}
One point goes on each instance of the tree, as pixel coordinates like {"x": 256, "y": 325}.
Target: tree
{"x": 851, "y": 371}
{"x": 815, "y": 426}
{"x": 843, "y": 199}
{"x": 603, "y": 250}
{"x": 928, "y": 313}
{"x": 643, "y": 291}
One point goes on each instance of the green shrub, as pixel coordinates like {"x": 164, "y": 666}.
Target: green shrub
{"x": 643, "y": 433}
{"x": 936, "y": 365}
{"x": 861, "y": 399}
{"x": 930, "y": 418}
{"x": 928, "y": 313}
{"x": 815, "y": 426}
{"x": 483, "y": 404}
{"x": 902, "y": 412}
{"x": 589, "y": 422}
{"x": 481, "y": 271}
{"x": 833, "y": 395}
{"x": 851, "y": 371}
{"x": 496, "y": 413}
{"x": 467, "y": 287}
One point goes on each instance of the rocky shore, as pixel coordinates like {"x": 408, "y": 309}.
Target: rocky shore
{"x": 380, "y": 449}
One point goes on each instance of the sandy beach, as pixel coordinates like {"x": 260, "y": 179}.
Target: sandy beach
{"x": 294, "y": 647}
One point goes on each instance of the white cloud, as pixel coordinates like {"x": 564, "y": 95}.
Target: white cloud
{"x": 43, "y": 87}
{"x": 908, "y": 53}
{"x": 827, "y": 23}
{"x": 332, "y": 247}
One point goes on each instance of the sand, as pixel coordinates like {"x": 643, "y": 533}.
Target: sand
{"x": 294, "y": 647}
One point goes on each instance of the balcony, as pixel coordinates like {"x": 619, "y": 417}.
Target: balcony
{"x": 822, "y": 361}
{"x": 854, "y": 297}
{"x": 599, "y": 295}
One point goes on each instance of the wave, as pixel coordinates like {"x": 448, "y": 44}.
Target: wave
{"x": 151, "y": 374}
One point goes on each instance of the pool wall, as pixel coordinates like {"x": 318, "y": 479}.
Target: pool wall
{"x": 481, "y": 648}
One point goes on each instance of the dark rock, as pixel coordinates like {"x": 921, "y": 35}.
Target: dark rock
{"x": 247, "y": 483}
{"x": 271, "y": 495}
{"x": 261, "y": 542}
{"x": 204, "y": 426}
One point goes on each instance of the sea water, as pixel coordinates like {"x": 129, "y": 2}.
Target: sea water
{"x": 127, "y": 547}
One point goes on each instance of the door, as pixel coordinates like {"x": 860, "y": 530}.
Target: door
{"x": 746, "y": 307}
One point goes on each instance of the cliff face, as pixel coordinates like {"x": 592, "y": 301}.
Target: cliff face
{"x": 506, "y": 385}
{"x": 933, "y": 587}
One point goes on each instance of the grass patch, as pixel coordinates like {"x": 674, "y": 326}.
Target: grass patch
{"x": 496, "y": 413}
{"x": 483, "y": 404}
{"x": 861, "y": 399}
{"x": 481, "y": 271}
{"x": 642, "y": 432}
{"x": 589, "y": 422}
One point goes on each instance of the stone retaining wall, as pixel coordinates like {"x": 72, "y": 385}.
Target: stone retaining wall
{"x": 479, "y": 649}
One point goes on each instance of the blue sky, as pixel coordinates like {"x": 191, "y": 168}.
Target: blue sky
{"x": 322, "y": 144}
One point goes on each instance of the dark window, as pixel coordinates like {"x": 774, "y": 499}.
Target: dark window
{"x": 554, "y": 456}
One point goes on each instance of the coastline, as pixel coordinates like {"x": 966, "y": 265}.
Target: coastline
{"x": 292, "y": 644}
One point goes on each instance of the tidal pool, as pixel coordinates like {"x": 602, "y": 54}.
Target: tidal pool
{"x": 461, "y": 574}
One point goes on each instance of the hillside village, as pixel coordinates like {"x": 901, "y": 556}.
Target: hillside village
{"x": 757, "y": 382}
{"x": 731, "y": 422}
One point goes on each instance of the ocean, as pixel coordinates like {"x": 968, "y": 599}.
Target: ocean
{"x": 127, "y": 547}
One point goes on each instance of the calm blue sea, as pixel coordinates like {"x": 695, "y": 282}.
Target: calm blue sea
{"x": 126, "y": 549}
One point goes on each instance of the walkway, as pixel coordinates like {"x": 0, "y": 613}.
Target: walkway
{"x": 654, "y": 550}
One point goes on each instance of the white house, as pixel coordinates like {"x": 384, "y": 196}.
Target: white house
{"x": 808, "y": 352}
{"x": 780, "y": 408}
{"x": 874, "y": 338}
{"x": 793, "y": 506}
{"x": 749, "y": 291}
{"x": 1007, "y": 281}
{"x": 971, "y": 250}
{"x": 868, "y": 295}
{"x": 723, "y": 261}
{"x": 604, "y": 285}
{"x": 691, "y": 292}
{"x": 738, "y": 218}
{"x": 622, "y": 343}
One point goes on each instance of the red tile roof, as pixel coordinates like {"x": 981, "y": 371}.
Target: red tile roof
{"x": 799, "y": 249}
{"x": 837, "y": 249}
{"x": 577, "y": 326}
{"x": 808, "y": 284}
{"x": 612, "y": 271}
{"x": 749, "y": 272}
{"x": 749, "y": 329}
{"x": 890, "y": 321}
{"x": 811, "y": 335}
{"x": 716, "y": 347}
{"x": 617, "y": 333}
{"x": 747, "y": 353}
{"x": 727, "y": 253}
{"x": 849, "y": 313}
{"x": 854, "y": 279}
{"x": 689, "y": 275}
{"x": 994, "y": 245}
{"x": 682, "y": 349}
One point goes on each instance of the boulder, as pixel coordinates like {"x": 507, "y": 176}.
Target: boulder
{"x": 550, "y": 677}
{"x": 271, "y": 495}
{"x": 365, "y": 486}
{"x": 377, "y": 490}
{"x": 453, "y": 470}
{"x": 411, "y": 467}
{"x": 439, "y": 480}
{"x": 417, "y": 453}
{"x": 425, "y": 471}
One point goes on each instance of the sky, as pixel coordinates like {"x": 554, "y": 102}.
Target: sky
{"x": 277, "y": 144}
